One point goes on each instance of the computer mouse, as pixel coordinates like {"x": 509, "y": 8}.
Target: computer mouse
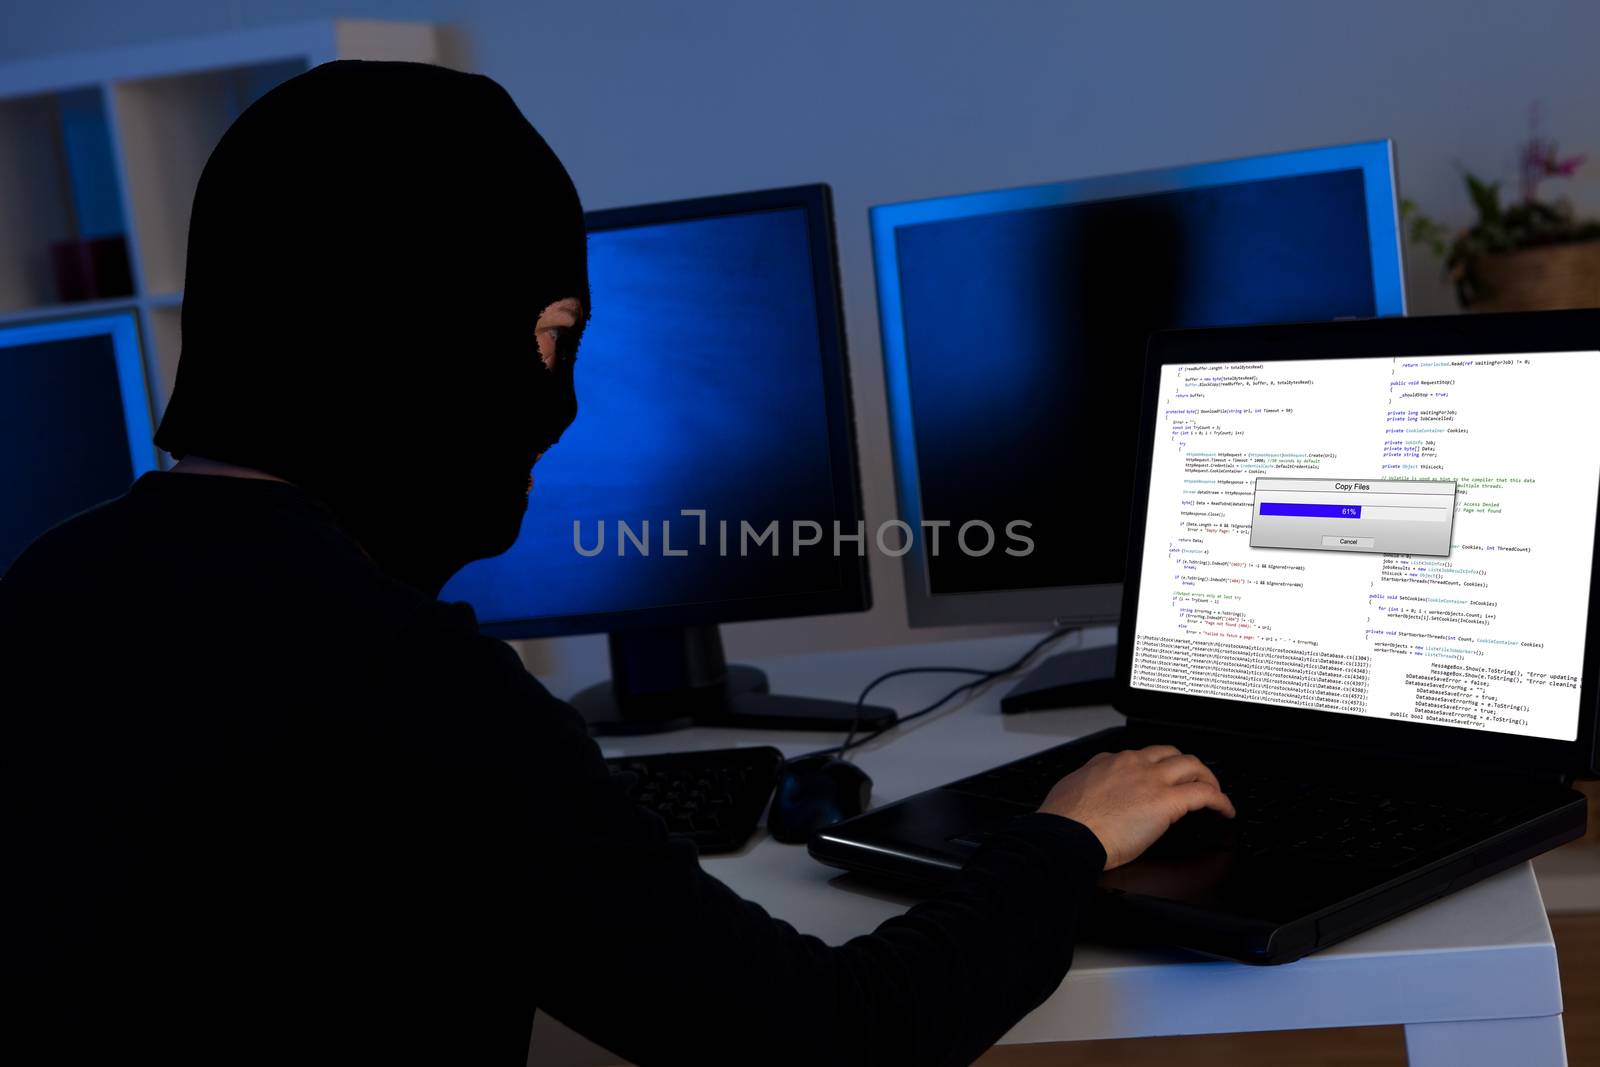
{"x": 813, "y": 792}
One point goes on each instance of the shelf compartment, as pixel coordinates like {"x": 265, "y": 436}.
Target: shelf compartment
{"x": 61, "y": 223}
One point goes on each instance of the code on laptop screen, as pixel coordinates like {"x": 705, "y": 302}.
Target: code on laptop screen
{"x": 1407, "y": 539}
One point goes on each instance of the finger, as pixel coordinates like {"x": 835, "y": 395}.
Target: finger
{"x": 1157, "y": 753}
{"x": 1196, "y": 795}
{"x": 1177, "y": 770}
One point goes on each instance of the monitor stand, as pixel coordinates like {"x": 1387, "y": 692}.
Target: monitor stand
{"x": 1066, "y": 680}
{"x": 671, "y": 677}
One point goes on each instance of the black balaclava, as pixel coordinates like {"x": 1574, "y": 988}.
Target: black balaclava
{"x": 370, "y": 248}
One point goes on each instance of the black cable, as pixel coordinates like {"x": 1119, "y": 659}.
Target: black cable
{"x": 982, "y": 675}
{"x": 861, "y": 701}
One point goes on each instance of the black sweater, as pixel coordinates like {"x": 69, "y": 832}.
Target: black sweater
{"x": 263, "y": 803}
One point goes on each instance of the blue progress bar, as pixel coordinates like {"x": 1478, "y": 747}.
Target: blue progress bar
{"x": 1313, "y": 511}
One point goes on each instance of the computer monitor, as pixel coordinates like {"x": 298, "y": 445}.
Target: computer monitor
{"x": 1014, "y": 326}
{"x": 75, "y": 424}
{"x": 711, "y": 474}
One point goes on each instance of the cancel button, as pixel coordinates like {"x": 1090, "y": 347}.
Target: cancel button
{"x": 1347, "y": 542}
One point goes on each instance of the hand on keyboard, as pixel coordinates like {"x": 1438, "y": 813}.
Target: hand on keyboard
{"x": 1128, "y": 799}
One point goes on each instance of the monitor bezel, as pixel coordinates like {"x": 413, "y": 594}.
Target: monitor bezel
{"x": 133, "y": 378}
{"x": 1480, "y": 334}
{"x": 854, "y": 590}
{"x": 1099, "y": 603}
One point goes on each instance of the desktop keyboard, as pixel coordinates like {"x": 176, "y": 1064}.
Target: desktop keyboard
{"x": 714, "y": 798}
{"x": 1276, "y": 814}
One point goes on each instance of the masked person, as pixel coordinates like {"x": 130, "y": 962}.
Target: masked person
{"x": 268, "y": 800}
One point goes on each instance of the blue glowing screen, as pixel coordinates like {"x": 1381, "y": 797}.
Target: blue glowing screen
{"x": 700, "y": 386}
{"x": 1025, "y": 331}
{"x": 75, "y": 424}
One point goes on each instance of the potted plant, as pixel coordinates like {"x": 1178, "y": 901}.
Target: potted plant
{"x": 1529, "y": 255}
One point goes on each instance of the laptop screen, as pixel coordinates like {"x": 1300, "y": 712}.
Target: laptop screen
{"x": 1397, "y": 538}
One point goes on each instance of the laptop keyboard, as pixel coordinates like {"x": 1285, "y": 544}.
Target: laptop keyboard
{"x": 1276, "y": 815}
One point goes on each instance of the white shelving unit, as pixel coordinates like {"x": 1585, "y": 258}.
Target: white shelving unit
{"x": 163, "y": 107}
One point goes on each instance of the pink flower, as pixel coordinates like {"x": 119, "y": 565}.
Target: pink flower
{"x": 1566, "y": 167}
{"x": 1539, "y": 161}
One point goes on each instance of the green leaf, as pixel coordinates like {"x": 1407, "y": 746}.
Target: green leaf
{"x": 1486, "y": 198}
{"x": 1421, "y": 230}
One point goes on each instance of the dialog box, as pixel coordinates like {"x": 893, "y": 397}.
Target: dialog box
{"x": 1354, "y": 515}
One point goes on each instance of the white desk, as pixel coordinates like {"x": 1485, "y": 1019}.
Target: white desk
{"x": 1472, "y": 977}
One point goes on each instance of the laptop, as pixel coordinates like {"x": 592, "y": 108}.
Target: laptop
{"x": 1360, "y": 586}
